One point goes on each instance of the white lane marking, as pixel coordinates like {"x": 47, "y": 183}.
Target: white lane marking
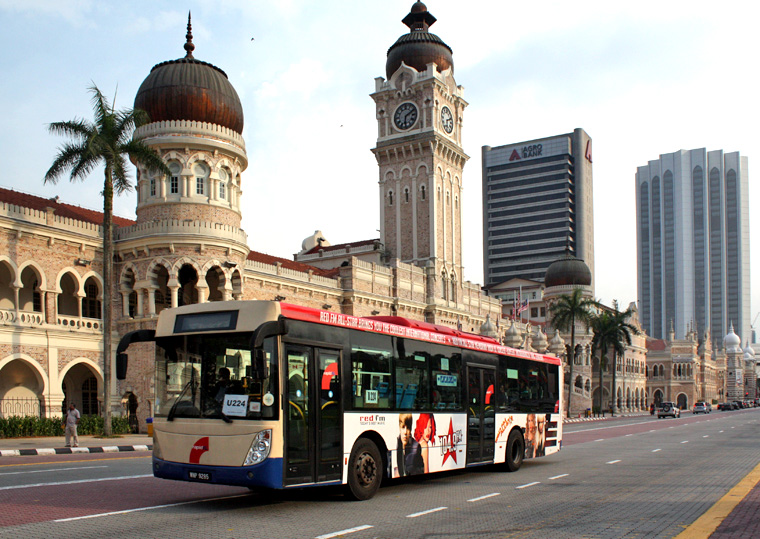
{"x": 720, "y": 431}
{"x": 614, "y": 461}
{"x": 415, "y": 515}
{"x": 629, "y": 435}
{"x": 135, "y": 510}
{"x": 653, "y": 430}
{"x": 599, "y": 440}
{"x": 77, "y": 481}
{"x": 54, "y": 470}
{"x": 529, "y": 484}
{"x": 656, "y": 450}
{"x": 706, "y": 436}
{"x": 558, "y": 476}
{"x": 484, "y": 497}
{"x": 342, "y": 532}
{"x": 685, "y": 442}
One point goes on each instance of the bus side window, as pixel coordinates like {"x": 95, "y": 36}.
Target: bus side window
{"x": 371, "y": 362}
{"x": 412, "y": 379}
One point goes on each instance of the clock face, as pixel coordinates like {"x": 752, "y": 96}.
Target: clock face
{"x": 447, "y": 120}
{"x": 405, "y": 115}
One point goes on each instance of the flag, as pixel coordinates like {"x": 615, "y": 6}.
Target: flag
{"x": 523, "y": 307}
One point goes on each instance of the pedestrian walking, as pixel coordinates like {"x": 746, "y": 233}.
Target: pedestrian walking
{"x": 70, "y": 425}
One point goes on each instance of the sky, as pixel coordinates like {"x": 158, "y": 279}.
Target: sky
{"x": 642, "y": 78}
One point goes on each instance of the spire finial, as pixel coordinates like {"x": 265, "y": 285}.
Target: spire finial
{"x": 189, "y": 47}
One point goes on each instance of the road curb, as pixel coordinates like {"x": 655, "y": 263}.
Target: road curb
{"x": 73, "y": 450}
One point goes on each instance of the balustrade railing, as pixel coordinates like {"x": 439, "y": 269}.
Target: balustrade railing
{"x": 20, "y": 407}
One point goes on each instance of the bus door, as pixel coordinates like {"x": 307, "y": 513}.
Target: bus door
{"x": 481, "y": 417}
{"x": 312, "y": 411}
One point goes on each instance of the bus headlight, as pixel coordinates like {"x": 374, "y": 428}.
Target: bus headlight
{"x": 260, "y": 447}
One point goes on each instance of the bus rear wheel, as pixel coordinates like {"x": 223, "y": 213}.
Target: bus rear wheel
{"x": 365, "y": 470}
{"x": 515, "y": 451}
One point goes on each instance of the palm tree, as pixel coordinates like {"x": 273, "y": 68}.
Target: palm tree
{"x": 105, "y": 141}
{"x": 613, "y": 333}
{"x": 569, "y": 309}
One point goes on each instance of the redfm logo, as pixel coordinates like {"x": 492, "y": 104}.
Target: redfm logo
{"x": 199, "y": 447}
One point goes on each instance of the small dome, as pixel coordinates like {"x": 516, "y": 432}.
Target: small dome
{"x": 732, "y": 342}
{"x": 315, "y": 240}
{"x": 567, "y": 270}
{"x": 189, "y": 89}
{"x": 512, "y": 336}
{"x": 419, "y": 47}
{"x": 487, "y": 329}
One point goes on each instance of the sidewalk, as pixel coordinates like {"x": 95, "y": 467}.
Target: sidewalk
{"x": 567, "y": 420}
{"x": 55, "y": 445}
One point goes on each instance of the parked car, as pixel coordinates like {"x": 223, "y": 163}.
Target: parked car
{"x": 668, "y": 409}
{"x": 700, "y": 408}
{"x": 736, "y": 405}
{"x": 725, "y": 406}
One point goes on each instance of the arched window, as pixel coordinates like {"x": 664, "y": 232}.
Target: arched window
{"x": 445, "y": 285}
{"x": 174, "y": 169}
{"x": 91, "y": 301}
{"x": 201, "y": 174}
{"x": 224, "y": 177}
{"x": 390, "y": 198}
{"x": 90, "y": 396}
{"x": 422, "y": 192}
{"x": 406, "y": 195}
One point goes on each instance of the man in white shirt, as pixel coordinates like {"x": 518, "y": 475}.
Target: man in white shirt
{"x": 70, "y": 425}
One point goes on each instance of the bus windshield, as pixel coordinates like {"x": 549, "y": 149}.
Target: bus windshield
{"x": 210, "y": 376}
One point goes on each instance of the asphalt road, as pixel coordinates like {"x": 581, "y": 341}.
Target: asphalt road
{"x": 633, "y": 477}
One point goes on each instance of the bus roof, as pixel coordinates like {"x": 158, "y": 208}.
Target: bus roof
{"x": 402, "y": 327}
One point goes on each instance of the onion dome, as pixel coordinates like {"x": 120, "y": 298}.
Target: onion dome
{"x": 512, "y": 337}
{"x": 567, "y": 270}
{"x": 419, "y": 47}
{"x": 749, "y": 353}
{"x": 189, "y": 89}
{"x": 732, "y": 342}
{"x": 488, "y": 329}
{"x": 557, "y": 344}
{"x": 540, "y": 341}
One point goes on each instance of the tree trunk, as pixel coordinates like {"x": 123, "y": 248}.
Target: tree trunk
{"x": 571, "y": 359}
{"x": 614, "y": 372}
{"x": 601, "y": 381}
{"x": 107, "y": 291}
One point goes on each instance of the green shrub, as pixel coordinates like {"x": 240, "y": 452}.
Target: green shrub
{"x": 22, "y": 427}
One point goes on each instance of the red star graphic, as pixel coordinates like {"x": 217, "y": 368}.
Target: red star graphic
{"x": 451, "y": 452}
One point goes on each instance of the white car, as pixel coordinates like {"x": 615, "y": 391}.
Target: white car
{"x": 700, "y": 408}
{"x": 668, "y": 409}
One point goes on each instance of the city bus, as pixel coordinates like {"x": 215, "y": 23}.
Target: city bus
{"x": 274, "y": 395}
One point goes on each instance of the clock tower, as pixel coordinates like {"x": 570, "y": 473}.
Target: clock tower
{"x": 419, "y": 110}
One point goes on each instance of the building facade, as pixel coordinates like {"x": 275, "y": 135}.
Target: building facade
{"x": 537, "y": 202}
{"x": 692, "y": 216}
{"x": 186, "y": 244}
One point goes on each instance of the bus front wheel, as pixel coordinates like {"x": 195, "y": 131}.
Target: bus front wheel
{"x": 515, "y": 451}
{"x": 365, "y": 469}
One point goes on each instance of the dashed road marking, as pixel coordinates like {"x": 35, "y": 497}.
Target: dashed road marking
{"x": 706, "y": 436}
{"x": 599, "y": 440}
{"x": 484, "y": 497}
{"x": 343, "y": 532}
{"x": 558, "y": 476}
{"x": 56, "y": 470}
{"x": 685, "y": 442}
{"x": 529, "y": 484}
{"x": 656, "y": 450}
{"x": 421, "y": 513}
{"x": 135, "y": 510}
{"x": 614, "y": 461}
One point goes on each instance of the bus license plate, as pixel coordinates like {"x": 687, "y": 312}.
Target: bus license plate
{"x": 199, "y": 476}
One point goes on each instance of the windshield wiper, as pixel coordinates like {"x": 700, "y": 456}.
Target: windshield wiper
{"x": 173, "y": 410}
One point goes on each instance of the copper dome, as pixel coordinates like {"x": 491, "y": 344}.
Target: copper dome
{"x": 189, "y": 89}
{"x": 567, "y": 270}
{"x": 419, "y": 47}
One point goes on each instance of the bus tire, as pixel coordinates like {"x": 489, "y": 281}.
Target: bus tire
{"x": 365, "y": 470}
{"x": 515, "y": 451}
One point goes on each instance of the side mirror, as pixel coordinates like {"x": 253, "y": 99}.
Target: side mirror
{"x": 121, "y": 366}
{"x": 259, "y": 365}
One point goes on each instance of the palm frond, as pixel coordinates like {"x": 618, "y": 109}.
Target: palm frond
{"x": 68, "y": 156}
{"x": 120, "y": 177}
{"x": 76, "y": 128}
{"x": 142, "y": 153}
{"x": 100, "y": 105}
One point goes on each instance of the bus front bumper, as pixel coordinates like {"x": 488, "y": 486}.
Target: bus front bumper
{"x": 268, "y": 474}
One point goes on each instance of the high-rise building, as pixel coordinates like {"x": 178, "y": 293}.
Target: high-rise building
{"x": 692, "y": 212}
{"x": 537, "y": 204}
